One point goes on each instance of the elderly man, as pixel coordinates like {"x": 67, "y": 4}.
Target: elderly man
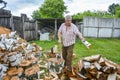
{"x": 66, "y": 35}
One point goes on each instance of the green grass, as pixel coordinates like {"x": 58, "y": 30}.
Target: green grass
{"x": 109, "y": 48}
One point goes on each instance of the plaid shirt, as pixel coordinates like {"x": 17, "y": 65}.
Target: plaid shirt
{"x": 68, "y": 35}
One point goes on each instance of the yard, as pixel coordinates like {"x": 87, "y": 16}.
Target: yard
{"x": 109, "y": 48}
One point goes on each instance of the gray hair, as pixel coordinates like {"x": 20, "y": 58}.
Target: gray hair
{"x": 68, "y": 17}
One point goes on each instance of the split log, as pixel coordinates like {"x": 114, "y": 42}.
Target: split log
{"x": 39, "y": 73}
{"x": 93, "y": 58}
{"x": 118, "y": 77}
{"x": 80, "y": 65}
{"x": 97, "y": 65}
{"x": 112, "y": 76}
{"x": 6, "y": 77}
{"x": 55, "y": 76}
{"x": 14, "y": 71}
{"x": 32, "y": 70}
{"x": 15, "y": 78}
{"x": 26, "y": 63}
{"x": 55, "y": 65}
{"x": 101, "y": 61}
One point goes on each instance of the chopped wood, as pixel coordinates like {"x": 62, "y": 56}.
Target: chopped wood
{"x": 32, "y": 70}
{"x": 86, "y": 65}
{"x": 117, "y": 77}
{"x": 97, "y": 65}
{"x": 14, "y": 71}
{"x": 101, "y": 61}
{"x": 72, "y": 78}
{"x": 6, "y": 77}
{"x": 74, "y": 55}
{"x": 99, "y": 75}
{"x": 55, "y": 76}
{"x": 47, "y": 78}
{"x": 64, "y": 77}
{"x": 93, "y": 58}
{"x": 55, "y": 60}
{"x": 81, "y": 76}
{"x": 93, "y": 68}
{"x": 25, "y": 63}
{"x": 39, "y": 73}
{"x": 111, "y": 64}
{"x": 42, "y": 66}
{"x": 112, "y": 76}
{"x": 80, "y": 65}
{"x": 22, "y": 59}
{"x": 19, "y": 56}
{"x": 14, "y": 78}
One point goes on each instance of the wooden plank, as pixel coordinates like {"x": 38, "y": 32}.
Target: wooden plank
{"x": 5, "y": 16}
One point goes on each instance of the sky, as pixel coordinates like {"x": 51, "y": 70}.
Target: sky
{"x": 19, "y": 7}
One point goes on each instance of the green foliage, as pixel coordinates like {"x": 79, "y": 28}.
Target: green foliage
{"x": 117, "y": 10}
{"x": 50, "y": 9}
{"x": 102, "y": 14}
{"x": 112, "y": 7}
{"x": 56, "y": 9}
{"x": 99, "y": 46}
{"x": 113, "y": 11}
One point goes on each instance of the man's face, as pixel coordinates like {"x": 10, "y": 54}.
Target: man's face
{"x": 68, "y": 22}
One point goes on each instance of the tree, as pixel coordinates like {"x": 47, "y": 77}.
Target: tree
{"x": 117, "y": 11}
{"x": 102, "y": 14}
{"x": 50, "y": 9}
{"x": 111, "y": 8}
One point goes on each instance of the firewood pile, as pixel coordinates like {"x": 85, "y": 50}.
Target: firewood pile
{"x": 18, "y": 58}
{"x": 93, "y": 67}
{"x": 97, "y": 68}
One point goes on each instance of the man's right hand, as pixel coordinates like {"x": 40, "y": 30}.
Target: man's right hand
{"x": 59, "y": 41}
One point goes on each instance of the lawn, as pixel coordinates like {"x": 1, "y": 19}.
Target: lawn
{"x": 109, "y": 48}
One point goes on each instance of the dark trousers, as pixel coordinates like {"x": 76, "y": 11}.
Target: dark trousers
{"x": 67, "y": 53}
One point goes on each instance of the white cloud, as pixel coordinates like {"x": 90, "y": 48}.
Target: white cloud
{"x": 77, "y": 6}
{"x": 28, "y": 9}
{"x": 74, "y": 6}
{"x": 19, "y": 7}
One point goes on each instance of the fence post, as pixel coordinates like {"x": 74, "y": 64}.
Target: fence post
{"x": 12, "y": 24}
{"x": 98, "y": 28}
{"x": 36, "y": 28}
{"x": 113, "y": 28}
{"x": 23, "y": 18}
{"x": 55, "y": 28}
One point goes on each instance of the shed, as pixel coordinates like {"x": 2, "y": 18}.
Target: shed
{"x": 51, "y": 25}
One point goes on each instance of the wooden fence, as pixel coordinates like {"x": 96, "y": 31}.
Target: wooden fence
{"x": 30, "y": 31}
{"x": 5, "y": 18}
{"x": 91, "y": 27}
{"x": 26, "y": 28}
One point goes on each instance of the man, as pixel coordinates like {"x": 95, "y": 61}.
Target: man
{"x": 66, "y": 35}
